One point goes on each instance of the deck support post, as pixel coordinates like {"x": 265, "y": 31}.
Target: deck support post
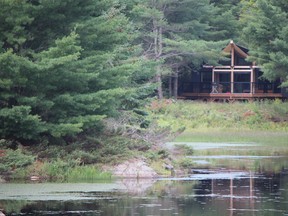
{"x": 232, "y": 80}
{"x": 232, "y": 65}
{"x": 231, "y": 196}
{"x": 252, "y": 82}
{"x": 213, "y": 76}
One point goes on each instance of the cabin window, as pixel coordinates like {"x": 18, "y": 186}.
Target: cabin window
{"x": 206, "y": 76}
{"x": 224, "y": 77}
{"x": 242, "y": 77}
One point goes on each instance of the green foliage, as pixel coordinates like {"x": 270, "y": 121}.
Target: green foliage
{"x": 17, "y": 122}
{"x": 55, "y": 169}
{"x": 65, "y": 66}
{"x": 85, "y": 157}
{"x": 184, "y": 149}
{"x": 68, "y": 67}
{"x": 152, "y": 155}
{"x": 114, "y": 148}
{"x": 163, "y": 153}
{"x": 226, "y": 26}
{"x": 87, "y": 173}
{"x": 91, "y": 150}
{"x": 179, "y": 37}
{"x": 12, "y": 160}
{"x": 186, "y": 163}
{"x": 158, "y": 166}
{"x": 266, "y": 33}
{"x": 15, "y": 15}
{"x": 204, "y": 116}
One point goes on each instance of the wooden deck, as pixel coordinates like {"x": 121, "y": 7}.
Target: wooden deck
{"x": 230, "y": 96}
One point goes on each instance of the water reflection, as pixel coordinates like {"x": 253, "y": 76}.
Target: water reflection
{"x": 245, "y": 195}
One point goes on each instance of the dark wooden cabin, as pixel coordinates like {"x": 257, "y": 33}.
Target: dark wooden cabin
{"x": 235, "y": 79}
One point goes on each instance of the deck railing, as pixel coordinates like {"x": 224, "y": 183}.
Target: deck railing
{"x": 229, "y": 87}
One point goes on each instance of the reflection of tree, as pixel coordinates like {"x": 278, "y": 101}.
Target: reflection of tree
{"x": 13, "y": 206}
{"x": 269, "y": 183}
{"x": 214, "y": 197}
{"x": 172, "y": 188}
{"x": 271, "y": 165}
{"x": 137, "y": 186}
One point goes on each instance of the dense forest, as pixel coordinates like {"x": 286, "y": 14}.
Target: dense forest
{"x": 67, "y": 65}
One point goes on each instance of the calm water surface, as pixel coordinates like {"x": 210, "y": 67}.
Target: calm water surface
{"x": 221, "y": 192}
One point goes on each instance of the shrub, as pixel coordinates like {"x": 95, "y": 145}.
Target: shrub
{"x": 163, "y": 153}
{"x": 186, "y": 163}
{"x": 14, "y": 159}
{"x": 82, "y": 157}
{"x": 56, "y": 169}
{"x": 87, "y": 173}
{"x": 184, "y": 149}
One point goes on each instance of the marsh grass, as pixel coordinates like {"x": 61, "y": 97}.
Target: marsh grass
{"x": 272, "y": 138}
{"x": 251, "y": 151}
{"x": 60, "y": 170}
{"x": 87, "y": 173}
{"x": 267, "y": 165}
{"x": 263, "y": 124}
{"x": 263, "y": 143}
{"x": 159, "y": 168}
{"x": 200, "y": 116}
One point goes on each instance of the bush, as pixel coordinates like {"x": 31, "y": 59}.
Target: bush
{"x": 83, "y": 157}
{"x": 14, "y": 159}
{"x": 19, "y": 123}
{"x": 163, "y": 153}
{"x": 87, "y": 173}
{"x": 186, "y": 163}
{"x": 184, "y": 149}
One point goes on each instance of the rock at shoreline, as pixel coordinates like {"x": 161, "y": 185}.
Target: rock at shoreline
{"x": 134, "y": 169}
{"x": 2, "y": 180}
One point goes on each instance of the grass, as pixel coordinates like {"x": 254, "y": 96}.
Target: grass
{"x": 198, "y": 116}
{"x": 268, "y": 143}
{"x": 60, "y": 170}
{"x": 87, "y": 173}
{"x": 158, "y": 167}
{"x": 263, "y": 123}
{"x": 273, "y": 138}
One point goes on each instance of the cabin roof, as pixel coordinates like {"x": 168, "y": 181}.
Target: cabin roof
{"x": 242, "y": 51}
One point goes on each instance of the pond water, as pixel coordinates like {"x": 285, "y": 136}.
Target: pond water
{"x": 204, "y": 192}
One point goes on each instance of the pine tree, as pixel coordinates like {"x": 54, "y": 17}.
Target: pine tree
{"x": 225, "y": 23}
{"x": 15, "y": 16}
{"x": 266, "y": 33}
{"x": 72, "y": 66}
{"x": 173, "y": 35}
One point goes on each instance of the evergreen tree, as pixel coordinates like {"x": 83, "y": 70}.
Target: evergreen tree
{"x": 174, "y": 34}
{"x": 69, "y": 65}
{"x": 266, "y": 33}
{"x": 15, "y": 16}
{"x": 225, "y": 22}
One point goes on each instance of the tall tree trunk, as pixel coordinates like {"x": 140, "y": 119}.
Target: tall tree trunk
{"x": 159, "y": 53}
{"x": 158, "y": 49}
{"x": 175, "y": 85}
{"x": 159, "y": 81}
{"x": 170, "y": 86}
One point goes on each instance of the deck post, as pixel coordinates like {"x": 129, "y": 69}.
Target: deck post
{"x": 232, "y": 54}
{"x": 252, "y": 82}
{"x": 213, "y": 75}
{"x": 232, "y": 65}
{"x": 232, "y": 80}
